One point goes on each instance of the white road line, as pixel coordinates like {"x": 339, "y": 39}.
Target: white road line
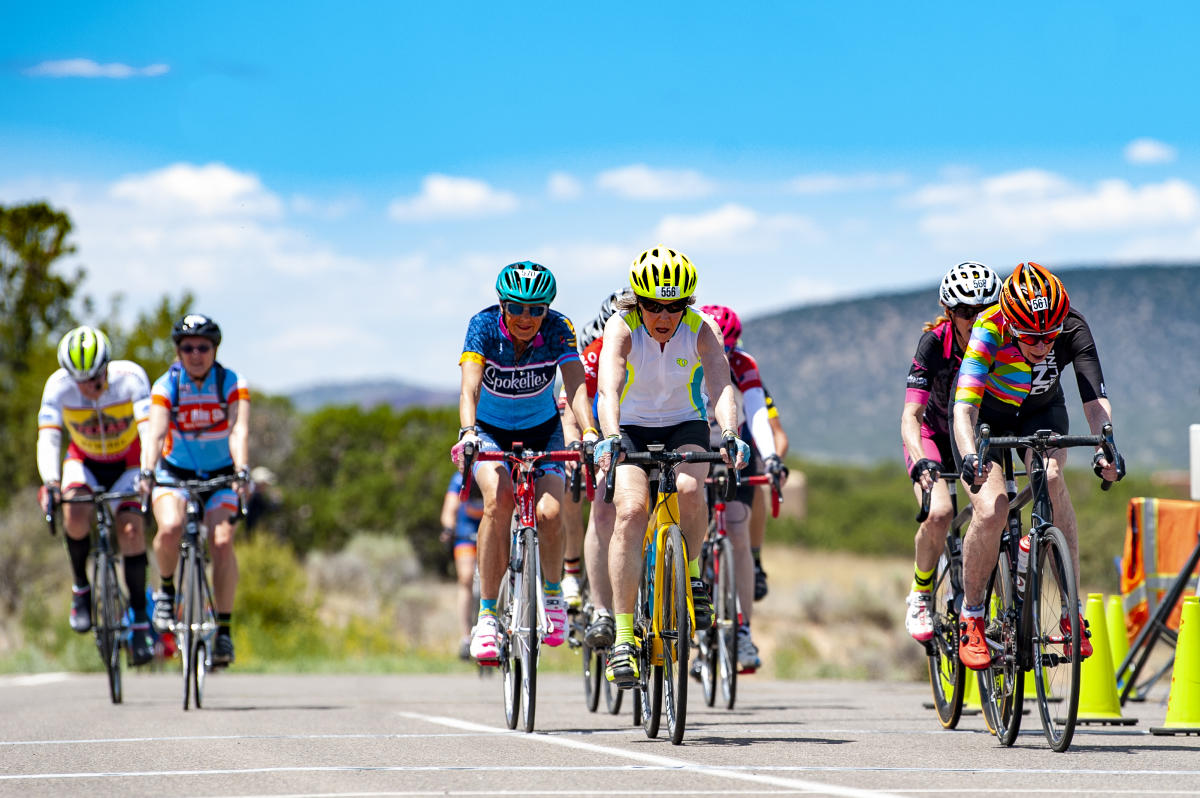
{"x": 654, "y": 759}
{"x": 33, "y": 679}
{"x": 203, "y": 737}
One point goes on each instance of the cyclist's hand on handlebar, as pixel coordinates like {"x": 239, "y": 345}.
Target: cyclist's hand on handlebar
{"x": 242, "y": 485}
{"x": 48, "y": 496}
{"x": 604, "y": 450}
{"x": 1109, "y": 472}
{"x": 776, "y": 468}
{"x": 926, "y": 472}
{"x": 743, "y": 450}
{"x": 973, "y": 471}
{"x": 456, "y": 452}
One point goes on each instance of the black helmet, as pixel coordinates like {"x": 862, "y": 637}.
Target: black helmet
{"x": 196, "y": 324}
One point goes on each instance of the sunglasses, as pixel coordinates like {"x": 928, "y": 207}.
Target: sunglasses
{"x": 517, "y": 309}
{"x": 1034, "y": 339}
{"x": 188, "y": 349}
{"x": 650, "y": 306}
{"x": 968, "y": 311}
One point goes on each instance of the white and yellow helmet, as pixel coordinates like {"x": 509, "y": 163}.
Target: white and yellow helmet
{"x": 662, "y": 273}
{"x": 84, "y": 352}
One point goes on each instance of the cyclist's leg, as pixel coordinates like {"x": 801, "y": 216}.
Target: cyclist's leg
{"x": 631, "y": 492}
{"x": 169, "y": 507}
{"x": 980, "y": 546}
{"x": 758, "y": 534}
{"x": 737, "y": 525}
{"x": 596, "y": 544}
{"x": 492, "y": 549}
{"x": 221, "y": 515}
{"x": 468, "y": 609}
{"x": 77, "y": 480}
{"x": 550, "y": 549}
{"x": 572, "y": 516}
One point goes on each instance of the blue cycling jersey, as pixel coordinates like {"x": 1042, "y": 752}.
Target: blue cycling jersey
{"x": 517, "y": 393}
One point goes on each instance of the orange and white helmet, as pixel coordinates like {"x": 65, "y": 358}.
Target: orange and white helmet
{"x": 1033, "y": 300}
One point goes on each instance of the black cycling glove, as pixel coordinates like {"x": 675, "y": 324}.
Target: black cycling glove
{"x": 971, "y": 468}
{"x": 1120, "y": 464}
{"x": 923, "y": 465}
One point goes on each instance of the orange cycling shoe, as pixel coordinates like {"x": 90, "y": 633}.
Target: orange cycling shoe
{"x": 972, "y": 645}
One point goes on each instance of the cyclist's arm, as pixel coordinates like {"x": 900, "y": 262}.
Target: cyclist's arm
{"x": 610, "y": 378}
{"x": 571, "y": 429}
{"x": 966, "y": 416}
{"x": 910, "y": 429}
{"x": 716, "y": 376}
{"x": 450, "y": 510}
{"x": 472, "y": 381}
{"x": 156, "y": 435}
{"x": 577, "y": 398}
{"x": 755, "y": 403}
{"x": 239, "y": 435}
{"x": 781, "y": 438}
{"x": 49, "y": 439}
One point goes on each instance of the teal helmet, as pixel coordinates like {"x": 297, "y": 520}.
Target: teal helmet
{"x": 528, "y": 282}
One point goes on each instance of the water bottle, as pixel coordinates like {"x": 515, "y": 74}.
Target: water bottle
{"x": 1022, "y": 563}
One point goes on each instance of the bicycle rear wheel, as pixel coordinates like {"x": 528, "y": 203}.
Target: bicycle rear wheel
{"x": 677, "y": 632}
{"x": 1056, "y": 631}
{"x": 529, "y": 640}
{"x": 1001, "y": 689}
{"x": 725, "y": 622}
{"x": 109, "y": 613}
{"x": 947, "y": 676}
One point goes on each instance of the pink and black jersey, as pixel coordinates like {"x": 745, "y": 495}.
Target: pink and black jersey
{"x": 931, "y": 376}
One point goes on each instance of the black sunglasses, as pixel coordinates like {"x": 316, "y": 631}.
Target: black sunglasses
{"x": 517, "y": 309}
{"x": 968, "y": 311}
{"x": 203, "y": 349}
{"x": 650, "y": 306}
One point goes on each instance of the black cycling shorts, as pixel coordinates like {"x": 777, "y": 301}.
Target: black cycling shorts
{"x": 637, "y": 439}
{"x": 1052, "y": 417}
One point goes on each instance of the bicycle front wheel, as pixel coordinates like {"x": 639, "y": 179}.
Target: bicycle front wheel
{"x": 109, "y": 613}
{"x": 647, "y": 701}
{"x": 725, "y": 622}
{"x": 947, "y": 676}
{"x": 1056, "y": 632}
{"x": 676, "y": 632}
{"x": 1001, "y": 689}
{"x": 529, "y": 627}
{"x": 187, "y": 610}
{"x": 510, "y": 663}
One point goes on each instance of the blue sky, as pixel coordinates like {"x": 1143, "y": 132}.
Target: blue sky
{"x": 340, "y": 183}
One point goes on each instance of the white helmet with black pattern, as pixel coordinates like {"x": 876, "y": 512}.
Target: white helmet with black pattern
{"x": 970, "y": 283}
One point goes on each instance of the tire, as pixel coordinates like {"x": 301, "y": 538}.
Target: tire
{"x": 530, "y": 640}
{"x": 1052, "y": 594}
{"x": 1001, "y": 686}
{"x": 675, "y": 600}
{"x": 189, "y": 605}
{"x": 725, "y": 623}
{"x": 206, "y": 633}
{"x": 108, "y": 613}
{"x": 648, "y": 702}
{"x": 510, "y": 664}
{"x": 947, "y": 676}
{"x": 593, "y": 664}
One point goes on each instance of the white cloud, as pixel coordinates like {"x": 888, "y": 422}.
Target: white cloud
{"x": 732, "y": 224}
{"x": 443, "y": 197}
{"x": 1033, "y": 205}
{"x": 210, "y": 190}
{"x": 563, "y": 186}
{"x": 86, "y": 68}
{"x": 827, "y": 183}
{"x": 329, "y": 210}
{"x": 641, "y": 182}
{"x": 1147, "y": 151}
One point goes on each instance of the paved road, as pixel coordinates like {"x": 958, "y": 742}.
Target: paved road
{"x": 445, "y": 735}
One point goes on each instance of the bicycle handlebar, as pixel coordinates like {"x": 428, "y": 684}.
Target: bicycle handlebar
{"x": 88, "y": 498}
{"x": 199, "y": 485}
{"x": 472, "y": 455}
{"x": 1043, "y": 440}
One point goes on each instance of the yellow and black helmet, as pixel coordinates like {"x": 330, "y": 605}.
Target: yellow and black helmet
{"x": 84, "y": 352}
{"x": 662, "y": 273}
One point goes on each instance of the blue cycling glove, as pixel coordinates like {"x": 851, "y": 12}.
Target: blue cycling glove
{"x": 605, "y": 447}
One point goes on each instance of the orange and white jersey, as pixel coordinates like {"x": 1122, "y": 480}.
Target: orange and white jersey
{"x": 104, "y": 430}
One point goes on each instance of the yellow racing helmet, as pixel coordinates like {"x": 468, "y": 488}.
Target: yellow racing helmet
{"x": 662, "y": 273}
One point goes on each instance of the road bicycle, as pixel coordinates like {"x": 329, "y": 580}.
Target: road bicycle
{"x": 664, "y": 616}
{"x": 521, "y": 603}
{"x": 109, "y": 603}
{"x": 1034, "y": 628}
{"x": 195, "y": 622}
{"x": 718, "y": 645}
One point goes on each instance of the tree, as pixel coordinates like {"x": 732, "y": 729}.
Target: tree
{"x": 35, "y": 302}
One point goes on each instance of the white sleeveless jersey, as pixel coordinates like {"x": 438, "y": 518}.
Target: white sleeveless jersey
{"x": 664, "y": 386}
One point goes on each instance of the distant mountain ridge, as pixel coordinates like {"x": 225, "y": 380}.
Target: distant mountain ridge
{"x": 370, "y": 393}
{"x": 837, "y": 370}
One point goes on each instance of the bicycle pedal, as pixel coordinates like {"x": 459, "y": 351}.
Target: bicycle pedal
{"x": 488, "y": 663}
{"x": 747, "y": 671}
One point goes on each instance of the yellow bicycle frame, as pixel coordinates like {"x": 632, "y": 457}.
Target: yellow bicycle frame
{"x": 663, "y": 515}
